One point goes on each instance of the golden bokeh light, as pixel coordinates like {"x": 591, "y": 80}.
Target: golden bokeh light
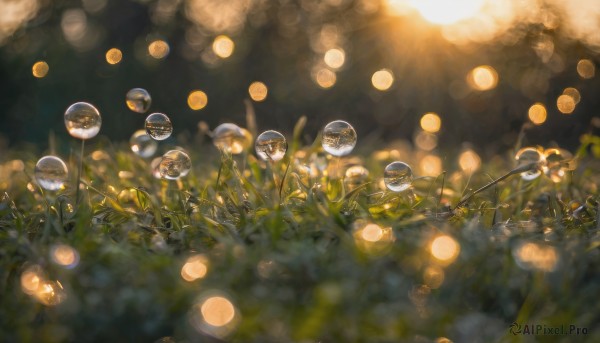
{"x": 430, "y": 165}
{"x": 195, "y": 268}
{"x": 372, "y": 233}
{"x": 483, "y": 78}
{"x": 335, "y": 58}
{"x": 469, "y": 161}
{"x": 217, "y": 311}
{"x": 114, "y": 56}
{"x": 443, "y": 12}
{"x": 325, "y": 78}
{"x": 426, "y": 141}
{"x": 65, "y": 256}
{"x": 431, "y": 122}
{"x": 158, "y": 49}
{"x": 433, "y": 276}
{"x": 536, "y": 256}
{"x": 31, "y": 279}
{"x": 586, "y": 69}
{"x": 537, "y": 113}
{"x": 258, "y": 91}
{"x": 197, "y": 100}
{"x": 40, "y": 69}
{"x": 573, "y": 93}
{"x": 50, "y": 293}
{"x": 445, "y": 248}
{"x": 565, "y": 104}
{"x": 382, "y": 79}
{"x": 223, "y": 46}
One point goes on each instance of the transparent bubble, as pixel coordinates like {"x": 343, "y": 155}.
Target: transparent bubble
{"x": 82, "y": 120}
{"x": 557, "y": 163}
{"x": 51, "y": 173}
{"x": 159, "y": 126}
{"x": 175, "y": 164}
{"x": 142, "y": 144}
{"x": 138, "y": 100}
{"x": 339, "y": 138}
{"x": 528, "y": 156}
{"x": 356, "y": 176}
{"x": 229, "y": 138}
{"x": 271, "y": 145}
{"x": 397, "y": 176}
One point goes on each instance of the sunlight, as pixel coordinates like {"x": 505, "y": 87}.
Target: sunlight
{"x": 443, "y": 12}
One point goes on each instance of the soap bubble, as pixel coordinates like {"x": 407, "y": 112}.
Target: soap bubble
{"x": 229, "y": 138}
{"x": 557, "y": 163}
{"x": 138, "y": 100}
{"x": 159, "y": 126}
{"x": 528, "y": 156}
{"x": 82, "y": 120}
{"x": 175, "y": 164}
{"x": 397, "y": 176}
{"x": 271, "y": 145}
{"x": 142, "y": 144}
{"x": 339, "y": 138}
{"x": 51, "y": 173}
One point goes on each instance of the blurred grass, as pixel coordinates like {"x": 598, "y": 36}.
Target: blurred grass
{"x": 286, "y": 254}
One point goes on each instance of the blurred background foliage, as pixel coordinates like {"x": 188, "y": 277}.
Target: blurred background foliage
{"x": 172, "y": 47}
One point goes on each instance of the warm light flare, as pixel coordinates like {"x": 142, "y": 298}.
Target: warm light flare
{"x": 469, "y": 160}
{"x": 445, "y": 248}
{"x": 483, "y": 78}
{"x": 223, "y": 46}
{"x": 258, "y": 91}
{"x": 158, "y": 49}
{"x": 194, "y": 268}
{"x": 566, "y": 104}
{"x": 334, "y": 58}
{"x": 536, "y": 256}
{"x": 431, "y": 122}
{"x": 537, "y": 113}
{"x": 114, "y": 56}
{"x": 65, "y": 256}
{"x": 217, "y": 311}
{"x": 40, "y": 69}
{"x": 197, "y": 100}
{"x": 444, "y": 12}
{"x": 382, "y": 79}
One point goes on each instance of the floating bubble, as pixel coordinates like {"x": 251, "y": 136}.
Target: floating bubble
{"x": 270, "y": 145}
{"x": 229, "y": 138}
{"x": 397, "y": 176}
{"x": 339, "y": 138}
{"x": 51, "y": 173}
{"x": 159, "y": 126}
{"x": 528, "y": 156}
{"x": 82, "y": 120}
{"x": 142, "y": 144}
{"x": 138, "y": 100}
{"x": 557, "y": 163}
{"x": 175, "y": 164}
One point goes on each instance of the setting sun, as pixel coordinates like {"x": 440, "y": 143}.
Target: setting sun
{"x": 443, "y": 12}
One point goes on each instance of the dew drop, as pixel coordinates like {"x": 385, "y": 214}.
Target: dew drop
{"x": 138, "y": 100}
{"x": 82, "y": 120}
{"x": 339, "y": 138}
{"x": 51, "y": 173}
{"x": 159, "y": 126}
{"x": 142, "y": 144}
{"x": 271, "y": 145}
{"x": 397, "y": 176}
{"x": 229, "y": 138}
{"x": 527, "y": 156}
{"x": 175, "y": 164}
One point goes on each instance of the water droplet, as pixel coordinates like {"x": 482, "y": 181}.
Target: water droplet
{"x": 557, "y": 163}
{"x": 159, "y": 126}
{"x": 397, "y": 176}
{"x": 356, "y": 176}
{"x": 142, "y": 144}
{"x": 229, "y": 138}
{"x": 527, "y": 156}
{"x": 138, "y": 100}
{"x": 271, "y": 145}
{"x": 51, "y": 173}
{"x": 175, "y": 164}
{"x": 82, "y": 120}
{"x": 339, "y": 138}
